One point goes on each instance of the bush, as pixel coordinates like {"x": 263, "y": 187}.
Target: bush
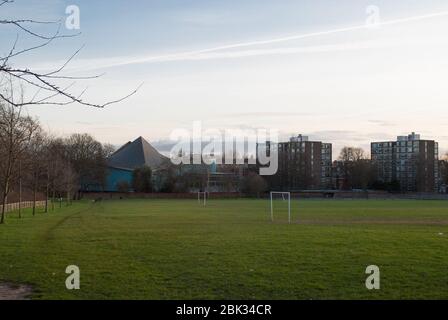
{"x": 141, "y": 179}
{"x": 123, "y": 186}
{"x": 254, "y": 185}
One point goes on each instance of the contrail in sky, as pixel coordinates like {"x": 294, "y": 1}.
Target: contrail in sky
{"x": 196, "y": 54}
{"x": 176, "y": 56}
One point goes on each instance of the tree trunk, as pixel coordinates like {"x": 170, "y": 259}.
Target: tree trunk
{"x": 20, "y": 198}
{"x": 6, "y": 191}
{"x": 4, "y": 201}
{"x": 53, "y": 198}
{"x": 47, "y": 193}
{"x": 34, "y": 198}
{"x": 20, "y": 190}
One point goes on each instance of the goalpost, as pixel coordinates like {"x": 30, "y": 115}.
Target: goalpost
{"x": 202, "y": 196}
{"x": 285, "y": 196}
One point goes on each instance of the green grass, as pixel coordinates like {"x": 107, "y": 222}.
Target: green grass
{"x": 160, "y": 249}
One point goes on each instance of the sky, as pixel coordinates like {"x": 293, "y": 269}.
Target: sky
{"x": 310, "y": 67}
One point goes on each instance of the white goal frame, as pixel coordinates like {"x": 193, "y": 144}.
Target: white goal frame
{"x": 203, "y": 194}
{"x": 289, "y": 204}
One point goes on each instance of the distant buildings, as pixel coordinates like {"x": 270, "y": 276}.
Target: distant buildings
{"x": 443, "y": 168}
{"x": 302, "y": 164}
{"x": 410, "y": 162}
{"x": 210, "y": 178}
{"x": 327, "y": 164}
{"x": 167, "y": 177}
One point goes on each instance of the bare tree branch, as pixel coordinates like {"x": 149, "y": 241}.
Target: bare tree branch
{"x": 44, "y": 81}
{"x": 5, "y": 1}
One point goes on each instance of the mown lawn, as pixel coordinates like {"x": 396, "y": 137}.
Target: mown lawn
{"x": 176, "y": 249}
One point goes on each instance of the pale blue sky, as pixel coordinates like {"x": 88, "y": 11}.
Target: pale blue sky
{"x": 347, "y": 87}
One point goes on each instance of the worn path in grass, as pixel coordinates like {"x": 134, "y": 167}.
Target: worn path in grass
{"x": 160, "y": 249}
{"x": 10, "y": 291}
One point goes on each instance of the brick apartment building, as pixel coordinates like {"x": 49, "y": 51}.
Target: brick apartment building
{"x": 410, "y": 161}
{"x": 302, "y": 165}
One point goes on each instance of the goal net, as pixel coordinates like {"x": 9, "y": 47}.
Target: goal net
{"x": 280, "y": 202}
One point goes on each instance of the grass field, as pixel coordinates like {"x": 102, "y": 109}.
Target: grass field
{"x": 176, "y": 249}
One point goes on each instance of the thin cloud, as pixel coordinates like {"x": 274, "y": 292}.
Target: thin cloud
{"x": 383, "y": 123}
{"x": 217, "y": 52}
{"x": 266, "y": 114}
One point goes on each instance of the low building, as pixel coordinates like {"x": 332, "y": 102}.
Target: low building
{"x": 211, "y": 178}
{"x": 122, "y": 163}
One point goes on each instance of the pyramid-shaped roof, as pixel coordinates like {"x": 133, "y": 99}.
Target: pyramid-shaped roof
{"x": 136, "y": 154}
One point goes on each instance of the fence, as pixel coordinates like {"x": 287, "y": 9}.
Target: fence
{"x": 24, "y": 205}
{"x": 370, "y": 194}
{"x": 134, "y": 195}
{"x": 318, "y": 194}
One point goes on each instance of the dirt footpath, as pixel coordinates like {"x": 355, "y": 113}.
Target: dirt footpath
{"x": 10, "y": 291}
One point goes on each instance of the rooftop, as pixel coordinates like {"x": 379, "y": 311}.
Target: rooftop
{"x": 136, "y": 154}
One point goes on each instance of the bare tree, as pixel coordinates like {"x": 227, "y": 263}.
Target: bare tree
{"x": 57, "y": 165}
{"x": 37, "y": 168}
{"x": 142, "y": 180}
{"x": 69, "y": 182}
{"x": 346, "y": 159}
{"x": 356, "y": 168}
{"x": 108, "y": 150}
{"x": 88, "y": 160}
{"x": 47, "y": 86}
{"x": 16, "y": 131}
{"x": 351, "y": 154}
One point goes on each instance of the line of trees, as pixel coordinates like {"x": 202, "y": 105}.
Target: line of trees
{"x": 29, "y": 157}
{"x": 36, "y": 162}
{"x": 354, "y": 170}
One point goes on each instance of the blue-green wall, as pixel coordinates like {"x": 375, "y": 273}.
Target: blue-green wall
{"x": 114, "y": 176}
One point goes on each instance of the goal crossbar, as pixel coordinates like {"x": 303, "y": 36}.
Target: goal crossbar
{"x": 288, "y": 194}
